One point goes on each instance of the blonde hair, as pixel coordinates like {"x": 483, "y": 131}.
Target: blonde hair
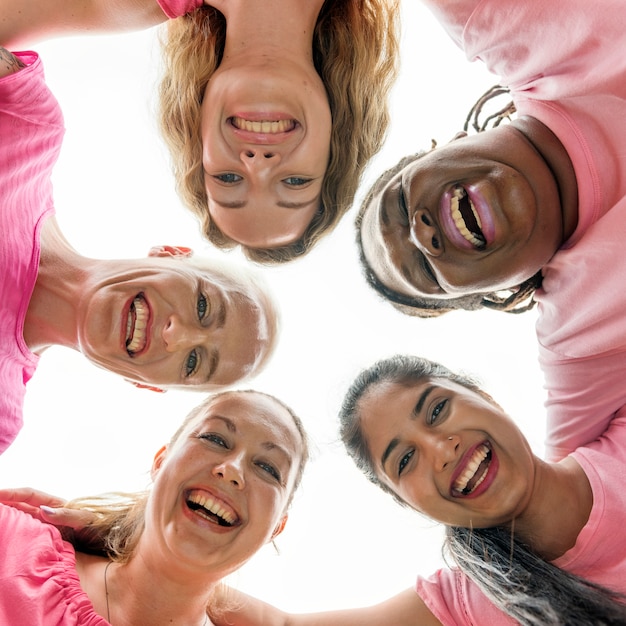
{"x": 355, "y": 52}
{"x": 120, "y": 517}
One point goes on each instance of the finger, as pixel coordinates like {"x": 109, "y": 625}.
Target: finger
{"x": 33, "y": 497}
{"x": 71, "y": 518}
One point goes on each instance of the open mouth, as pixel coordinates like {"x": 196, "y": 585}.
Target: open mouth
{"x": 267, "y": 127}
{"x": 136, "y": 325}
{"x": 211, "y": 509}
{"x": 475, "y": 471}
{"x": 466, "y": 219}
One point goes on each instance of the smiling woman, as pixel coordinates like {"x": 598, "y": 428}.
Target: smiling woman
{"x": 221, "y": 489}
{"x": 167, "y": 321}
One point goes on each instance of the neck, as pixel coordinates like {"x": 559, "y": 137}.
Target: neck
{"x": 268, "y": 29}
{"x": 51, "y": 318}
{"x": 138, "y": 593}
{"x": 558, "y": 509}
{"x": 559, "y": 162}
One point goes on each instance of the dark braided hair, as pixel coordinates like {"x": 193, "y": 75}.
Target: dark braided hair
{"x": 514, "y": 300}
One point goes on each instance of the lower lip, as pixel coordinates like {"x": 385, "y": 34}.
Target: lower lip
{"x": 492, "y": 471}
{"x": 482, "y": 209}
{"x": 201, "y": 521}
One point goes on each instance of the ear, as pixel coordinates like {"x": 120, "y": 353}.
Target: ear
{"x": 159, "y": 457}
{"x": 280, "y": 527}
{"x": 163, "y": 251}
{"x": 144, "y": 386}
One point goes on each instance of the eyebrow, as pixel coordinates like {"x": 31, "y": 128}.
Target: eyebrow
{"x": 240, "y": 204}
{"x": 415, "y": 413}
{"x": 214, "y": 361}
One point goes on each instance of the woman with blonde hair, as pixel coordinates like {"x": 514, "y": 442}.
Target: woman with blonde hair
{"x": 221, "y": 490}
{"x": 271, "y": 109}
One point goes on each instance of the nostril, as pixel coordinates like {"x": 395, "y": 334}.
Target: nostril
{"x": 249, "y": 153}
{"x": 435, "y": 243}
{"x": 268, "y": 155}
{"x": 425, "y": 219}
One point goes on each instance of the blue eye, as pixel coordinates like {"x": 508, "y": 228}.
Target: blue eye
{"x": 270, "y": 469}
{"x": 214, "y": 438}
{"x": 296, "y": 181}
{"x": 229, "y": 178}
{"x": 191, "y": 365}
{"x": 202, "y": 306}
{"x": 404, "y": 461}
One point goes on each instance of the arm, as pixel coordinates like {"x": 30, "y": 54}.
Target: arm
{"x": 24, "y": 22}
{"x": 405, "y": 609}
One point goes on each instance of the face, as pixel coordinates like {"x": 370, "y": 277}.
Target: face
{"x": 480, "y": 214}
{"x": 266, "y": 144}
{"x": 221, "y": 490}
{"x": 169, "y": 322}
{"x": 448, "y": 452}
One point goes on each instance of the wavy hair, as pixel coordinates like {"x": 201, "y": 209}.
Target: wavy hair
{"x": 355, "y": 52}
{"x": 119, "y": 521}
{"x": 514, "y": 300}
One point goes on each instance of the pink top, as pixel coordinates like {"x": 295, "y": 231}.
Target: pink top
{"x": 176, "y": 8}
{"x": 31, "y": 128}
{"x": 39, "y": 584}
{"x": 565, "y": 66}
{"x": 455, "y": 600}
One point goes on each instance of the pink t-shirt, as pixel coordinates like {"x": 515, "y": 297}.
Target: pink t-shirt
{"x": 176, "y": 8}
{"x": 455, "y": 600}
{"x": 565, "y": 65}
{"x": 31, "y": 132}
{"x": 39, "y": 584}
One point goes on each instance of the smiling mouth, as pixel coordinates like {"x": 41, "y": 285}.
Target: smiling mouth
{"x": 210, "y": 509}
{"x": 475, "y": 471}
{"x": 267, "y": 127}
{"x": 466, "y": 219}
{"x": 136, "y": 325}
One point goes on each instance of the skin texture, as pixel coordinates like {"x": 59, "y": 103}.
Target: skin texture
{"x": 205, "y": 326}
{"x": 523, "y": 186}
{"x": 264, "y": 187}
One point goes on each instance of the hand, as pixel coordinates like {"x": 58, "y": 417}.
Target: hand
{"x": 45, "y": 507}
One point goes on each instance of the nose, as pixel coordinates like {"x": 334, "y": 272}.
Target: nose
{"x": 446, "y": 451}
{"x": 231, "y": 470}
{"x": 259, "y": 157}
{"x": 424, "y": 233}
{"x": 179, "y": 335}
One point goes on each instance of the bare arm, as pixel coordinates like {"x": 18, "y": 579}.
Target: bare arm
{"x": 25, "y": 22}
{"x": 405, "y": 609}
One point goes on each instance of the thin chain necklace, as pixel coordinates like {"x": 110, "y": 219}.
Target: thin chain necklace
{"x": 106, "y": 593}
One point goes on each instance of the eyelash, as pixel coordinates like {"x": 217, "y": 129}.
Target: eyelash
{"x": 437, "y": 410}
{"x": 428, "y": 270}
{"x": 220, "y": 441}
{"x": 228, "y": 178}
{"x": 404, "y": 461}
{"x": 299, "y": 181}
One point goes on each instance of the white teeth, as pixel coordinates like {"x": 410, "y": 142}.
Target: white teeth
{"x": 136, "y": 334}
{"x": 205, "y": 501}
{"x": 457, "y": 195}
{"x": 480, "y": 454}
{"x": 265, "y": 126}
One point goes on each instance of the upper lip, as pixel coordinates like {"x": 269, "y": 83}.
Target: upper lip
{"x": 259, "y": 137}
{"x": 221, "y": 504}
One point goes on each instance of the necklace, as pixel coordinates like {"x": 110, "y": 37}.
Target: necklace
{"x": 106, "y": 594}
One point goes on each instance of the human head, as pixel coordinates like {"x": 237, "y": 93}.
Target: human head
{"x": 176, "y": 321}
{"x": 256, "y": 426}
{"x": 516, "y": 300}
{"x": 355, "y": 54}
{"x": 437, "y": 442}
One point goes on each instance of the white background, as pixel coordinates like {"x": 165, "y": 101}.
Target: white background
{"x": 87, "y": 431}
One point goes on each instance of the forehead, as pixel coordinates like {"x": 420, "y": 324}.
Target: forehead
{"x": 257, "y": 416}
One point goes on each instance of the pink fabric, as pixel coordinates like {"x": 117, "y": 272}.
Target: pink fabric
{"x": 176, "y": 8}
{"x": 31, "y": 132}
{"x": 565, "y": 66}
{"x": 39, "y": 584}
{"x": 455, "y": 600}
